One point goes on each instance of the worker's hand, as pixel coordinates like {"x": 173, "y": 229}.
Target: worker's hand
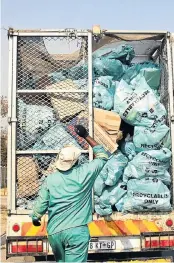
{"x": 36, "y": 221}
{"x": 81, "y": 131}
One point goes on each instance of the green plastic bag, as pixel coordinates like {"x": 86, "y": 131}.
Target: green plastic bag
{"x": 148, "y": 194}
{"x": 137, "y": 105}
{"x": 99, "y": 185}
{"x": 124, "y": 53}
{"x": 80, "y": 71}
{"x": 108, "y": 66}
{"x": 113, "y": 169}
{"x": 103, "y": 93}
{"x": 120, "y": 204}
{"x": 149, "y": 70}
{"x": 128, "y": 148}
{"x": 103, "y": 210}
{"x": 33, "y": 122}
{"x": 111, "y": 195}
{"x": 153, "y": 163}
{"x": 155, "y": 138}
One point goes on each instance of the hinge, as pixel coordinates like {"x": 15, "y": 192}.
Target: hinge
{"x": 172, "y": 118}
{"x": 10, "y": 120}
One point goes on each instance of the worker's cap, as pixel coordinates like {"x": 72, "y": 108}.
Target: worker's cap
{"x": 67, "y": 157}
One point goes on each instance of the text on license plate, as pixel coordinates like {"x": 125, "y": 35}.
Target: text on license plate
{"x": 109, "y": 245}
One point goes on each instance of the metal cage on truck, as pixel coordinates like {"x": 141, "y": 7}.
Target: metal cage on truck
{"x": 34, "y": 57}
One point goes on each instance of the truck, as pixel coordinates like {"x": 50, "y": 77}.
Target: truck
{"x": 37, "y": 99}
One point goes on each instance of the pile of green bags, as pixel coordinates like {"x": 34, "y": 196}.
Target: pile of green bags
{"x": 145, "y": 171}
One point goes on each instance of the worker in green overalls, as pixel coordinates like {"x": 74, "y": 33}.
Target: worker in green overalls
{"x": 67, "y": 196}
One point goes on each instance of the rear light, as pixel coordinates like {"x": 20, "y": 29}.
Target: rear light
{"x": 169, "y": 222}
{"x": 161, "y": 240}
{"x": 16, "y": 227}
{"x": 159, "y": 243}
{"x": 26, "y": 247}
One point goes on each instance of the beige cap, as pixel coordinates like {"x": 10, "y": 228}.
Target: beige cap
{"x": 67, "y": 157}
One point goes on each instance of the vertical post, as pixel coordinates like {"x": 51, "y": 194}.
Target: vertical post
{"x": 90, "y": 109}
{"x": 90, "y": 102}
{"x": 171, "y": 107}
{"x": 13, "y": 121}
{"x": 9, "y": 171}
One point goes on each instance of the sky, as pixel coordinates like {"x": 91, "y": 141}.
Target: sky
{"x": 81, "y": 14}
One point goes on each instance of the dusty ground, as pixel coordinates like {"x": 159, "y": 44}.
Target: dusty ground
{"x": 3, "y": 221}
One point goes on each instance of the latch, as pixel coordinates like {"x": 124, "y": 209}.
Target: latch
{"x": 71, "y": 32}
{"x": 11, "y": 120}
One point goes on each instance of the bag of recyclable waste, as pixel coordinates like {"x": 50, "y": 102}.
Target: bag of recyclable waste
{"x": 57, "y": 76}
{"x": 108, "y": 66}
{"x": 81, "y": 83}
{"x": 99, "y": 185}
{"x": 120, "y": 204}
{"x": 33, "y": 122}
{"x": 153, "y": 163}
{"x": 155, "y": 138}
{"x": 124, "y": 53}
{"x": 148, "y": 194}
{"x": 128, "y": 148}
{"x": 111, "y": 195}
{"x": 103, "y": 210}
{"x": 54, "y": 139}
{"x": 80, "y": 71}
{"x": 103, "y": 93}
{"x": 113, "y": 169}
{"x": 137, "y": 105}
{"x": 36, "y": 82}
{"x": 149, "y": 70}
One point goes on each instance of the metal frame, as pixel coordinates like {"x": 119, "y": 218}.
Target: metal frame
{"x": 171, "y": 100}
{"x": 13, "y": 120}
{"x": 56, "y": 33}
{"x": 43, "y": 151}
{"x": 50, "y": 91}
{"x": 9, "y": 171}
{"x": 110, "y": 31}
{"x": 90, "y": 91}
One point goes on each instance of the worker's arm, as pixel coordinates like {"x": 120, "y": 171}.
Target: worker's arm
{"x": 41, "y": 204}
{"x": 91, "y": 141}
{"x": 82, "y": 132}
{"x": 92, "y": 169}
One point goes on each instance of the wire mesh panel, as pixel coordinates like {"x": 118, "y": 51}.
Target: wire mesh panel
{"x": 52, "y": 97}
{"x": 45, "y": 121}
{"x": 40, "y": 69}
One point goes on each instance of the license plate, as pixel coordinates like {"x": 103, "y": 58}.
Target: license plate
{"x": 102, "y": 245}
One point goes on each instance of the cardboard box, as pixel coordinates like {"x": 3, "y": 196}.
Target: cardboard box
{"x": 65, "y": 104}
{"x": 103, "y": 138}
{"x": 108, "y": 120}
{"x": 27, "y": 175}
